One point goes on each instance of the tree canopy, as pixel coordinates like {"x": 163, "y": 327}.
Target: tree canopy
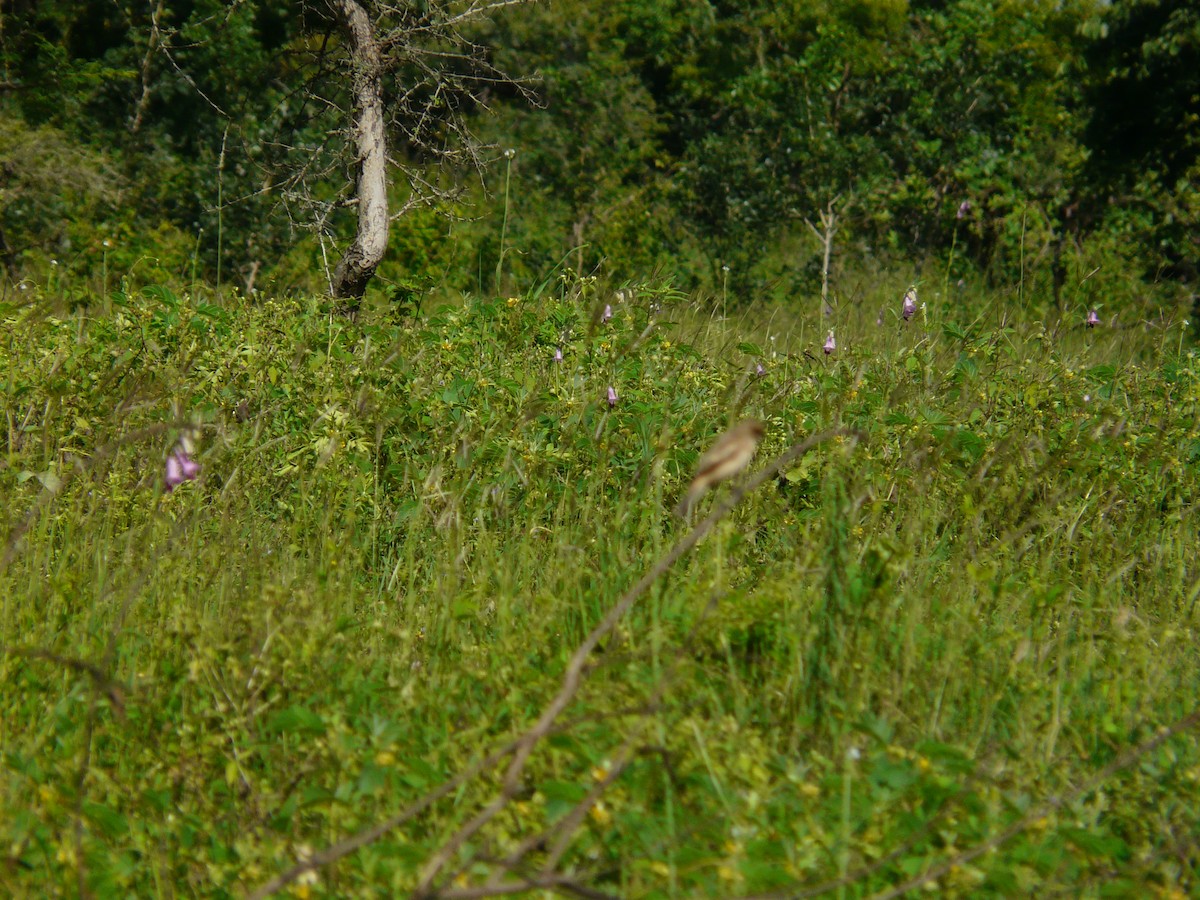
{"x": 697, "y": 136}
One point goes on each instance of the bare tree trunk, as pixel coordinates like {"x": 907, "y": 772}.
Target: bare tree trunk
{"x": 362, "y": 257}
{"x": 829, "y": 226}
{"x": 152, "y": 47}
{"x": 9, "y": 258}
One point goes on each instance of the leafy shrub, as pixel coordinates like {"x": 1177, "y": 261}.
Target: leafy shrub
{"x": 404, "y": 525}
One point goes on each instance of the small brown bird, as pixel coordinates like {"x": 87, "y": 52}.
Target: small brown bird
{"x": 729, "y": 455}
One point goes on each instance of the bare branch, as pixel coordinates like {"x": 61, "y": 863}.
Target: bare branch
{"x": 152, "y": 45}
{"x": 1036, "y": 812}
{"x": 521, "y": 748}
{"x": 1123, "y": 761}
{"x": 110, "y": 687}
{"x": 573, "y": 677}
{"x": 361, "y": 259}
{"x": 564, "y": 883}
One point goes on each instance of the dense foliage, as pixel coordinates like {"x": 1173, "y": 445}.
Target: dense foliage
{"x": 281, "y": 586}
{"x": 915, "y": 645}
{"x": 1030, "y": 141}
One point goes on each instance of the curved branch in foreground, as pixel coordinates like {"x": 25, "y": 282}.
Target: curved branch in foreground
{"x": 573, "y": 677}
{"x": 522, "y": 747}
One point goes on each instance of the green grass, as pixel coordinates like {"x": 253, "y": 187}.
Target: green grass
{"x": 953, "y": 625}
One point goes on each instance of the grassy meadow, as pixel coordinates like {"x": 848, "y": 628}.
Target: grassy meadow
{"x": 950, "y": 648}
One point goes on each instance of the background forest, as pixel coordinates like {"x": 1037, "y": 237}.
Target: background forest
{"x": 301, "y": 603}
{"x": 1041, "y": 141}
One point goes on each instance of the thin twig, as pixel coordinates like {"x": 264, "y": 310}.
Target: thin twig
{"x": 521, "y": 747}
{"x": 375, "y": 832}
{"x": 565, "y": 827}
{"x": 1124, "y": 761}
{"x": 112, "y": 688}
{"x": 563, "y": 883}
{"x": 573, "y": 677}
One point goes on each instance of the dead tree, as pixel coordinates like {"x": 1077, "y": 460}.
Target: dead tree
{"x": 376, "y": 99}
{"x": 416, "y": 75}
{"x": 361, "y": 259}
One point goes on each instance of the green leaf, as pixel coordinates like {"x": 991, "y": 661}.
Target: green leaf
{"x": 296, "y": 720}
{"x": 50, "y": 481}
{"x": 894, "y": 774}
{"x": 971, "y": 444}
{"x": 111, "y": 822}
{"x": 371, "y": 779}
{"x": 1101, "y": 845}
{"x": 764, "y": 873}
{"x": 950, "y": 330}
{"x": 934, "y": 416}
{"x": 419, "y": 773}
{"x": 282, "y": 819}
{"x": 561, "y": 796}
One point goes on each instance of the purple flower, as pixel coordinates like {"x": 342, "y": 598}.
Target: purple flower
{"x": 963, "y": 209}
{"x": 558, "y": 354}
{"x": 759, "y": 370}
{"x": 1093, "y": 318}
{"x": 909, "y": 309}
{"x": 830, "y": 344}
{"x": 612, "y": 397}
{"x": 180, "y": 468}
{"x": 879, "y": 318}
{"x": 607, "y": 313}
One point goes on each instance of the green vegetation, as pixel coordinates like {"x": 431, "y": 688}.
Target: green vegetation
{"x": 393, "y": 603}
{"x": 695, "y": 139}
{"x": 956, "y": 623}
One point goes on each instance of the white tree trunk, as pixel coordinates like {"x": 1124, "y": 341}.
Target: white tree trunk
{"x": 362, "y": 257}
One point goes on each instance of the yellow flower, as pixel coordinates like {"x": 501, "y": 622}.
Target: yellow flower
{"x": 600, "y": 814}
